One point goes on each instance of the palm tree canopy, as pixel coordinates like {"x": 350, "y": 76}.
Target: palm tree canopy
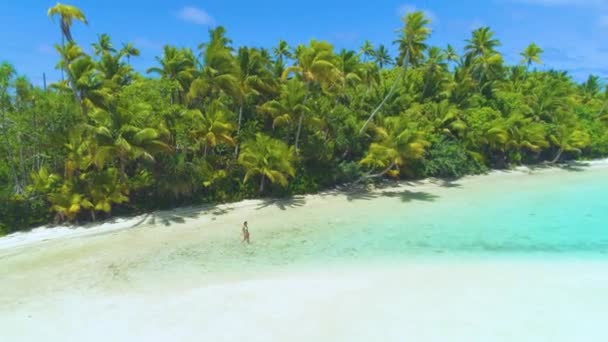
{"x": 67, "y": 14}
{"x": 532, "y": 54}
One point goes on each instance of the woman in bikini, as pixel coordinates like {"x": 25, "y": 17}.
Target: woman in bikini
{"x": 245, "y": 232}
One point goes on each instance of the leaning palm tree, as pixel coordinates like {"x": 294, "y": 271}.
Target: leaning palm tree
{"x": 531, "y": 55}
{"x": 268, "y": 158}
{"x": 67, "y": 14}
{"x": 411, "y": 51}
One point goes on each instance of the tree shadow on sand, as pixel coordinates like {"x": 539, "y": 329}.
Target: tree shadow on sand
{"x": 411, "y": 196}
{"x": 283, "y": 203}
{"x": 179, "y": 216}
{"x": 405, "y": 195}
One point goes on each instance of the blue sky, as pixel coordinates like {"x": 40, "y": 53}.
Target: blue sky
{"x": 574, "y": 33}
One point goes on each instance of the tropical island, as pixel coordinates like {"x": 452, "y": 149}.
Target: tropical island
{"x": 430, "y": 194}
{"x": 219, "y": 123}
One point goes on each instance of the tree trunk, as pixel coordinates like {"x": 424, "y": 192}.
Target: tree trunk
{"x": 63, "y": 47}
{"x": 377, "y": 175}
{"x": 299, "y": 131}
{"x": 390, "y": 92}
{"x": 205, "y": 151}
{"x": 559, "y": 155}
{"x": 262, "y": 182}
{"x": 238, "y": 132}
{"x": 93, "y": 215}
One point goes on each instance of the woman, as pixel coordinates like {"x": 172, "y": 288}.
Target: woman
{"x": 245, "y": 232}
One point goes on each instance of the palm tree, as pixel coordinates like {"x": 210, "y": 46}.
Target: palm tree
{"x": 219, "y": 73}
{"x": 129, "y": 50}
{"x": 103, "y": 45}
{"x": 281, "y": 52}
{"x": 290, "y": 106}
{"x": 367, "y": 50}
{"x": 268, "y": 158}
{"x": 316, "y": 66}
{"x": 411, "y": 50}
{"x": 349, "y": 67}
{"x": 397, "y": 143}
{"x": 382, "y": 57}
{"x": 119, "y": 136}
{"x": 177, "y": 66}
{"x": 212, "y": 128}
{"x": 67, "y": 14}
{"x": 450, "y": 54}
{"x": 482, "y": 42}
{"x": 254, "y": 79}
{"x": 531, "y": 55}
{"x": 434, "y": 68}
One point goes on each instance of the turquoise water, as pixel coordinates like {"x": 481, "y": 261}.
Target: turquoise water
{"x": 558, "y": 213}
{"x": 555, "y": 213}
{"x": 545, "y": 214}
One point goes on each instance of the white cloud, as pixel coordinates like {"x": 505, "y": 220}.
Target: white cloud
{"x": 405, "y": 9}
{"x": 195, "y": 15}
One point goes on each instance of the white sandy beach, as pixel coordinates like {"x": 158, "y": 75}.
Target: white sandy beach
{"x": 161, "y": 277}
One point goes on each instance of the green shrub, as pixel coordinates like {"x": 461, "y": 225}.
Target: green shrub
{"x": 448, "y": 159}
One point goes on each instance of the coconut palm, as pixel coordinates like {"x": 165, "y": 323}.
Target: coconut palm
{"x": 67, "y": 14}
{"x": 177, "y": 66}
{"x": 129, "y": 50}
{"x": 367, "y": 50}
{"x": 103, "y": 45}
{"x": 397, "y": 142}
{"x": 349, "y": 68}
{"x": 531, "y": 55}
{"x": 254, "y": 79}
{"x": 268, "y": 158}
{"x": 212, "y": 128}
{"x": 220, "y": 71}
{"x": 282, "y": 52}
{"x": 382, "y": 57}
{"x": 434, "y": 68}
{"x": 482, "y": 42}
{"x": 411, "y": 51}
{"x": 450, "y": 54}
{"x": 122, "y": 138}
{"x": 316, "y": 66}
{"x": 290, "y": 105}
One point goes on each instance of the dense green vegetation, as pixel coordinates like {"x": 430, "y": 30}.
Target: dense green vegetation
{"x": 223, "y": 123}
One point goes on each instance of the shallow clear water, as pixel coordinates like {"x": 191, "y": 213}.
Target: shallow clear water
{"x": 548, "y": 214}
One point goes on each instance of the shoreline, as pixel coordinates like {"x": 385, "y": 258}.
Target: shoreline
{"x": 38, "y": 235}
{"x": 324, "y": 267}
